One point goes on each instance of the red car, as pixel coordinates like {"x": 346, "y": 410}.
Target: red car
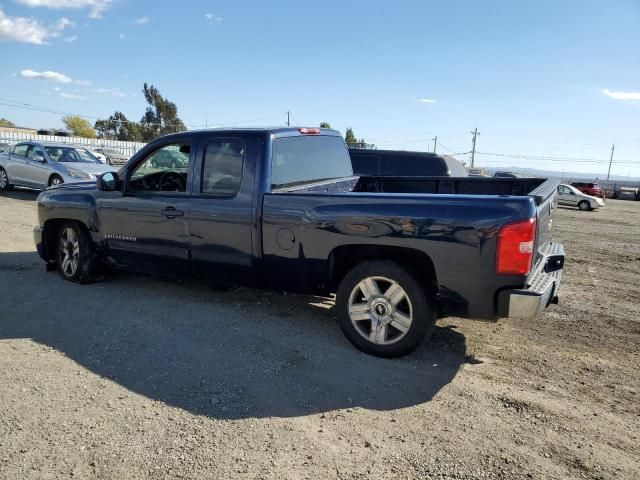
{"x": 592, "y": 189}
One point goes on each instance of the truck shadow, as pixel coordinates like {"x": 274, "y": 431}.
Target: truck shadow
{"x": 241, "y": 354}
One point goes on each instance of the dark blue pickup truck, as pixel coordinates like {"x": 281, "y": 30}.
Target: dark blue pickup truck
{"x": 280, "y": 209}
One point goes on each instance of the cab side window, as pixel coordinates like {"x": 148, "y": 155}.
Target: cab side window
{"x": 564, "y": 191}
{"x": 37, "y": 153}
{"x": 222, "y": 167}
{"x": 20, "y": 150}
{"x": 163, "y": 170}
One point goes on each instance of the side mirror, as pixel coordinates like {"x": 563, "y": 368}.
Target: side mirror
{"x": 108, "y": 182}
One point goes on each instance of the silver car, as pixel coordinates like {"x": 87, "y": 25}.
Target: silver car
{"x": 41, "y": 165}
{"x": 571, "y": 196}
{"x": 113, "y": 156}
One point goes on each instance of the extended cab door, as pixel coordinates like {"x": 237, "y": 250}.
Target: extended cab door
{"x": 222, "y": 208}
{"x": 146, "y": 226}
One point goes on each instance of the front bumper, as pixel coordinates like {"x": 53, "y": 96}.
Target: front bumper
{"x": 542, "y": 290}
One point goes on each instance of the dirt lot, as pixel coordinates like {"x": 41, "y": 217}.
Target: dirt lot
{"x": 137, "y": 377}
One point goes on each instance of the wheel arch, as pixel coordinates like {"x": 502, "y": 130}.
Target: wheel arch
{"x": 342, "y": 259}
{"x": 49, "y": 234}
{"x": 54, "y": 174}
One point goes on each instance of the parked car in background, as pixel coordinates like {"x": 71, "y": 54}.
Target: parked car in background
{"x": 571, "y": 196}
{"x": 628, "y": 193}
{"x": 175, "y": 159}
{"x": 394, "y": 163}
{"x": 41, "y": 165}
{"x": 476, "y": 172}
{"x": 113, "y": 156}
{"x": 95, "y": 153}
{"x": 281, "y": 209}
{"x": 592, "y": 189}
{"x": 4, "y": 146}
{"x": 507, "y": 175}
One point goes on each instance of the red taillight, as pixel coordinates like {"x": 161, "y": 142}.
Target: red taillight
{"x": 309, "y": 131}
{"x": 514, "y": 252}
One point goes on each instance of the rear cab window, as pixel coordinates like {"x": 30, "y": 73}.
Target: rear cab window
{"x": 299, "y": 160}
{"x": 222, "y": 167}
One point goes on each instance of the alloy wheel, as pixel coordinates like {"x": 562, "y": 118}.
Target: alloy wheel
{"x": 380, "y": 310}
{"x": 69, "y": 252}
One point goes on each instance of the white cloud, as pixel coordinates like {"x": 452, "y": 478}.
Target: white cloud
{"x": 30, "y": 30}
{"x": 114, "y": 92}
{"x": 71, "y": 96}
{"x": 46, "y": 75}
{"x": 71, "y": 39}
{"x": 96, "y": 7}
{"x": 427, "y": 100}
{"x": 57, "y": 89}
{"x": 211, "y": 18}
{"x": 141, "y": 21}
{"x": 621, "y": 95}
{"x": 83, "y": 83}
{"x": 121, "y": 36}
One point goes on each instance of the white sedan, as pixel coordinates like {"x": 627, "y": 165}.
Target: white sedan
{"x": 571, "y": 196}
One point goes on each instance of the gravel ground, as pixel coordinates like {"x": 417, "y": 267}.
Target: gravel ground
{"x": 138, "y": 377}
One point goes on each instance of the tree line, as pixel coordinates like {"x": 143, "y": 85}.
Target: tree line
{"x": 160, "y": 117}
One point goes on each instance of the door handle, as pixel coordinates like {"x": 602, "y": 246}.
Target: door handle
{"x": 171, "y": 212}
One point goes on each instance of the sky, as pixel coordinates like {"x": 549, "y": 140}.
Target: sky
{"x": 548, "y": 84}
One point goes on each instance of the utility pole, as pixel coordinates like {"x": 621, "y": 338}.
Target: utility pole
{"x": 473, "y": 147}
{"x": 435, "y": 143}
{"x": 613, "y": 147}
{"x": 288, "y": 118}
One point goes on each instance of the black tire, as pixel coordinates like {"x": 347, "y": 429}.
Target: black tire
{"x": 421, "y": 304}
{"x": 5, "y": 183}
{"x": 89, "y": 268}
{"x": 55, "y": 180}
{"x": 584, "y": 206}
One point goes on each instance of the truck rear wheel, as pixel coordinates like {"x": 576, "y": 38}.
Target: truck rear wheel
{"x": 383, "y": 310}
{"x": 75, "y": 255}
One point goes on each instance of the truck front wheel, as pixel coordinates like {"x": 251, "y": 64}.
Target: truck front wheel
{"x": 383, "y": 310}
{"x": 76, "y": 259}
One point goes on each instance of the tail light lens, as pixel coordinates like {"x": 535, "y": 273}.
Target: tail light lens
{"x": 309, "y": 131}
{"x": 516, "y": 242}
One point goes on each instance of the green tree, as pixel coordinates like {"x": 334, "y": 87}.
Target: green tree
{"x": 118, "y": 127}
{"x": 325, "y": 125}
{"x": 6, "y": 123}
{"x": 79, "y": 126}
{"x": 350, "y": 137}
{"x": 161, "y": 116}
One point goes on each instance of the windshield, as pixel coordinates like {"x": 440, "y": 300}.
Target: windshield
{"x": 307, "y": 159}
{"x": 71, "y": 155}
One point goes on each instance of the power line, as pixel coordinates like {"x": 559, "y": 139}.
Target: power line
{"x": 557, "y": 159}
{"x": 28, "y": 106}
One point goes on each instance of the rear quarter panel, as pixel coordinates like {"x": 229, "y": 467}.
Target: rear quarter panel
{"x": 457, "y": 232}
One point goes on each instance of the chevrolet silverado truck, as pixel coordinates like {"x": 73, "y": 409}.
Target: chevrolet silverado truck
{"x": 281, "y": 209}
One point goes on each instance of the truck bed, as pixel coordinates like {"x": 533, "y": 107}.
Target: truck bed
{"x": 538, "y": 188}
